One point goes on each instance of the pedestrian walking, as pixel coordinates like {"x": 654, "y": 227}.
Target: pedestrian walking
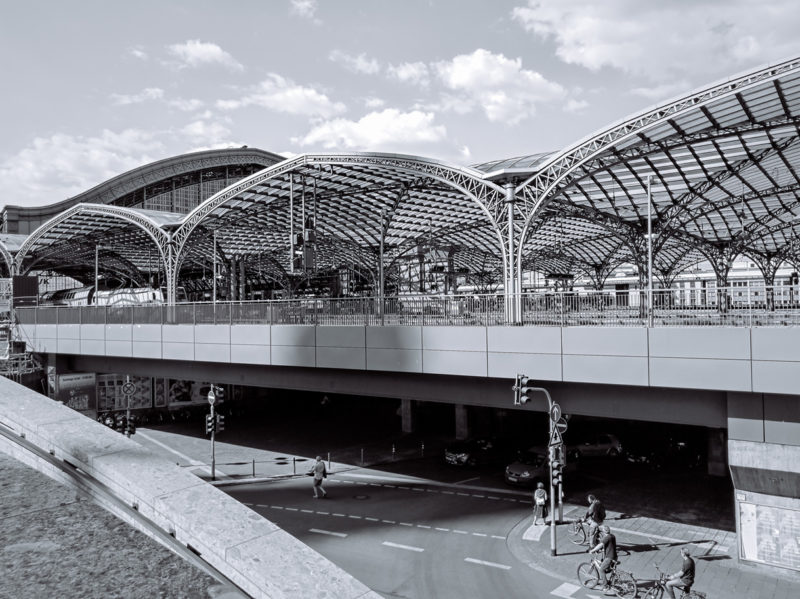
{"x": 319, "y": 472}
{"x": 539, "y": 504}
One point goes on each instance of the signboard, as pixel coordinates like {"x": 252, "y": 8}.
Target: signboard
{"x": 561, "y": 426}
{"x": 770, "y": 535}
{"x": 77, "y": 391}
{"x": 211, "y": 396}
{"x": 555, "y": 438}
{"x": 555, "y": 413}
{"x": 111, "y": 395}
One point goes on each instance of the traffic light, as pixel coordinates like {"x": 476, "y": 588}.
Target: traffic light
{"x": 210, "y": 422}
{"x": 219, "y": 391}
{"x": 130, "y": 429}
{"x": 120, "y": 424}
{"x": 556, "y": 469}
{"x": 524, "y": 391}
{"x": 220, "y": 423}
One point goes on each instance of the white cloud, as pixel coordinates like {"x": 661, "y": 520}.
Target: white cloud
{"x": 305, "y": 9}
{"x": 373, "y": 102}
{"x": 194, "y": 53}
{"x": 574, "y": 105}
{"x": 283, "y": 95}
{"x": 465, "y": 153}
{"x": 663, "y": 91}
{"x": 149, "y": 93}
{"x": 665, "y": 40}
{"x": 416, "y": 73}
{"x": 357, "y": 64}
{"x": 186, "y": 104}
{"x": 386, "y": 129}
{"x": 500, "y": 86}
{"x": 137, "y": 52}
{"x": 55, "y": 168}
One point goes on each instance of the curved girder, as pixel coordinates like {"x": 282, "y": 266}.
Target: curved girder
{"x": 110, "y": 214}
{"x": 8, "y": 259}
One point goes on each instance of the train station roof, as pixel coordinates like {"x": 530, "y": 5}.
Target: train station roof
{"x": 721, "y": 164}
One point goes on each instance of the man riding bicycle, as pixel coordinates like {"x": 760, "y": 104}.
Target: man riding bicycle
{"x": 608, "y": 543}
{"x": 596, "y": 515}
{"x": 684, "y": 578}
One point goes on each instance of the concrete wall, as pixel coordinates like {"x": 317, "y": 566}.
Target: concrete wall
{"x": 764, "y": 360}
{"x": 257, "y": 555}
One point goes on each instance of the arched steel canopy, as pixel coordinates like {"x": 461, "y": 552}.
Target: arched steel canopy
{"x": 723, "y": 165}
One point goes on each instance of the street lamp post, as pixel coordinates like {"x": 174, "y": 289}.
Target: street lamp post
{"x": 649, "y": 258}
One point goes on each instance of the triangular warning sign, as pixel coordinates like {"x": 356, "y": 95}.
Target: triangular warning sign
{"x": 555, "y": 438}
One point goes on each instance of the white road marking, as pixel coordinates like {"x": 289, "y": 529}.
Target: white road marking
{"x": 484, "y": 563}
{"x": 276, "y": 507}
{"x": 479, "y": 534}
{"x": 460, "y": 532}
{"x": 327, "y": 532}
{"x": 442, "y": 529}
{"x": 466, "y": 480}
{"x": 566, "y": 590}
{"x": 291, "y": 509}
{"x": 307, "y": 511}
{"x": 406, "y": 547}
{"x": 423, "y": 526}
{"x": 534, "y": 533}
{"x": 372, "y": 519}
{"x": 405, "y": 524}
{"x": 354, "y": 517}
{"x": 388, "y": 521}
{"x": 340, "y": 515}
{"x": 498, "y": 537}
{"x": 324, "y": 513}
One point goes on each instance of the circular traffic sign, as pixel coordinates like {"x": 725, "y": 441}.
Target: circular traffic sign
{"x": 555, "y": 412}
{"x": 211, "y": 397}
{"x": 561, "y": 426}
{"x": 128, "y": 388}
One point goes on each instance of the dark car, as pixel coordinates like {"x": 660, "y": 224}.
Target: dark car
{"x": 668, "y": 452}
{"x": 475, "y": 452}
{"x": 531, "y": 466}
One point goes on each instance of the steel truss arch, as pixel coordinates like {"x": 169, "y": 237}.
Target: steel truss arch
{"x": 116, "y": 213}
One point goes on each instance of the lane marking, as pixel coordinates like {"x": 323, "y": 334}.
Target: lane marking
{"x": 354, "y": 517}
{"x": 290, "y": 509}
{"x": 481, "y": 562}
{"x": 340, "y": 515}
{"x": 372, "y": 519}
{"x": 405, "y": 524}
{"x": 324, "y": 513}
{"x": 479, "y": 534}
{"x": 566, "y": 590}
{"x": 460, "y": 532}
{"x": 467, "y": 480}
{"x": 327, "y": 532}
{"x": 442, "y": 529}
{"x": 498, "y": 537}
{"x": 423, "y": 526}
{"x": 307, "y": 511}
{"x": 406, "y": 547}
{"x": 276, "y": 507}
{"x": 389, "y": 521}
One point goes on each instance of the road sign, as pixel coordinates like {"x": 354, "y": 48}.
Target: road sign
{"x": 561, "y": 426}
{"x": 128, "y": 388}
{"x": 555, "y": 438}
{"x": 211, "y": 397}
{"x": 555, "y": 412}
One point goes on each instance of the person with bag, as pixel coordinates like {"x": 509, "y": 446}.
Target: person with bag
{"x": 539, "y": 504}
{"x": 319, "y": 472}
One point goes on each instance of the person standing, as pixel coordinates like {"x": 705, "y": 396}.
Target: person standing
{"x": 685, "y": 577}
{"x": 539, "y": 504}
{"x": 319, "y": 472}
{"x": 608, "y": 543}
{"x": 596, "y": 515}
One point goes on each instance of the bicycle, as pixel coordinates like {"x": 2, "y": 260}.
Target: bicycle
{"x": 578, "y": 532}
{"x": 621, "y": 582}
{"x": 658, "y": 590}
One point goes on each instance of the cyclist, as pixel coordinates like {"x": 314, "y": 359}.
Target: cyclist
{"x": 596, "y": 515}
{"x": 608, "y": 543}
{"x": 684, "y": 578}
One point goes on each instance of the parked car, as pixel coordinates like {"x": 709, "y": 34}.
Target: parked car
{"x": 475, "y": 452}
{"x": 596, "y": 445}
{"x": 531, "y": 466}
{"x": 664, "y": 452}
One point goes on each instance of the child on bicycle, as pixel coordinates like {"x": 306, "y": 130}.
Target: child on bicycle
{"x": 684, "y": 578}
{"x": 608, "y": 543}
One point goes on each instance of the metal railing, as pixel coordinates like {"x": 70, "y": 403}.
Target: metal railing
{"x": 731, "y": 306}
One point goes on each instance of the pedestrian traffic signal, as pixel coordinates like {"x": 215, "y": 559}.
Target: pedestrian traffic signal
{"x": 120, "y": 424}
{"x": 210, "y": 422}
{"x": 220, "y": 423}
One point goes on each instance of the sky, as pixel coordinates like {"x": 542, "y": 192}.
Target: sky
{"x": 94, "y": 88}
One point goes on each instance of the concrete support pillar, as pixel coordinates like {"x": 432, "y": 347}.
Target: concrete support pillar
{"x": 232, "y": 272}
{"x": 462, "y": 422}
{"x": 408, "y": 413}
{"x": 242, "y": 280}
{"x": 764, "y": 457}
{"x": 717, "y": 452}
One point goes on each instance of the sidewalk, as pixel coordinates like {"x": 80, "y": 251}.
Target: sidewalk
{"x": 643, "y": 542}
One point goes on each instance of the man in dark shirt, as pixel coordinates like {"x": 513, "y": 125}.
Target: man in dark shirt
{"x": 596, "y": 515}
{"x": 683, "y": 578}
{"x": 608, "y": 543}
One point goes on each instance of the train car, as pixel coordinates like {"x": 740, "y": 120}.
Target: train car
{"x": 86, "y": 296}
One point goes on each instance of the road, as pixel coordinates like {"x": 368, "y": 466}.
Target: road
{"x": 404, "y": 536}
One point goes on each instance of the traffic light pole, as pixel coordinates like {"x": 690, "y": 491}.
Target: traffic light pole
{"x": 213, "y": 457}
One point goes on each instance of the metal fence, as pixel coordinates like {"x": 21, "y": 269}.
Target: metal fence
{"x": 732, "y": 306}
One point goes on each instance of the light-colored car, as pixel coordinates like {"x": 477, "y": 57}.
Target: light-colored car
{"x": 596, "y": 445}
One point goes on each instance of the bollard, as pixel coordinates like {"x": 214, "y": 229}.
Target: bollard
{"x": 392, "y": 451}
{"x": 294, "y": 465}
{"x": 362, "y": 456}
{"x": 329, "y": 460}
{"x": 254, "y": 468}
{"x": 422, "y": 450}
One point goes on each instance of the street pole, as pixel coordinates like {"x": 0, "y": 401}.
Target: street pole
{"x": 96, "y": 266}
{"x": 128, "y": 411}
{"x": 213, "y": 459}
